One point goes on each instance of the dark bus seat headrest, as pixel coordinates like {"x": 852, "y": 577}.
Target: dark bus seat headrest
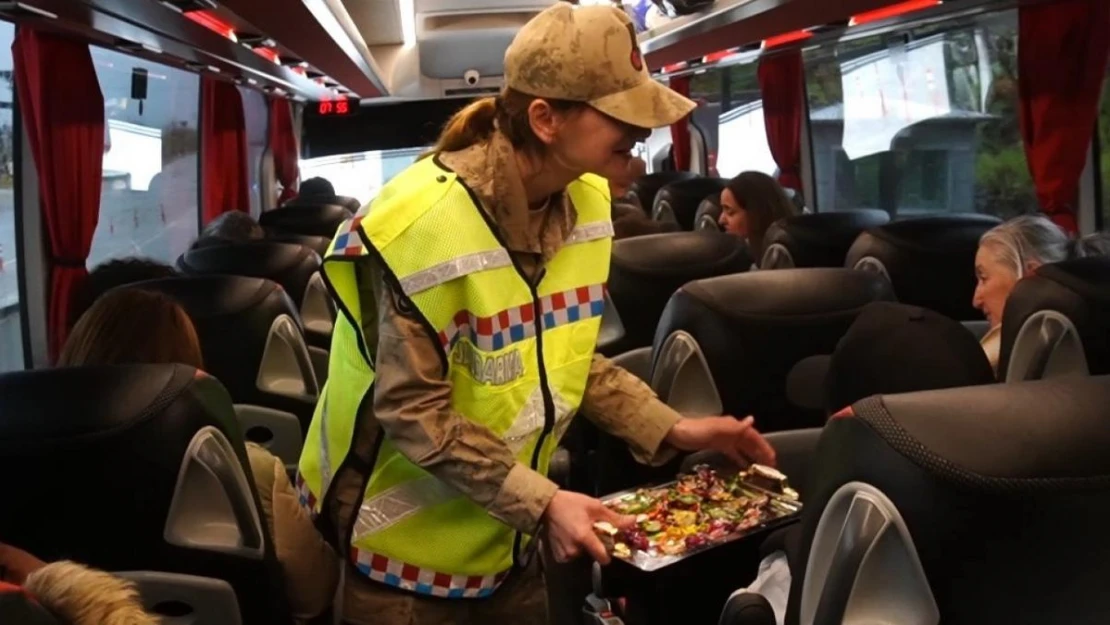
{"x": 929, "y": 260}
{"x": 645, "y": 272}
{"x": 678, "y": 202}
{"x": 1058, "y": 319}
{"x": 817, "y": 239}
{"x": 319, "y": 220}
{"x": 288, "y": 264}
{"x": 753, "y": 328}
{"x": 647, "y": 187}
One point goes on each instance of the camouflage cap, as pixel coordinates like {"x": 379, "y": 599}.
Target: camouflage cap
{"x": 589, "y": 54}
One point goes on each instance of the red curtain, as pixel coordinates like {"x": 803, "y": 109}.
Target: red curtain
{"x": 680, "y": 132}
{"x": 63, "y": 115}
{"x": 283, "y": 146}
{"x": 1062, "y": 52}
{"x": 782, "y": 89}
{"x": 223, "y": 144}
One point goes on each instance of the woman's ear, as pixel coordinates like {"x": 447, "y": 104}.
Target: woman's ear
{"x": 1031, "y": 267}
{"x": 544, "y": 120}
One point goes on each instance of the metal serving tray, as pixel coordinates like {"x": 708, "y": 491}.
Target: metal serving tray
{"x": 785, "y": 510}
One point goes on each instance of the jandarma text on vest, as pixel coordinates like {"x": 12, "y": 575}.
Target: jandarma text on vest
{"x": 495, "y": 370}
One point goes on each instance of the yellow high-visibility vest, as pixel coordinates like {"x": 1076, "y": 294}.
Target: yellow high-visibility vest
{"x": 517, "y": 356}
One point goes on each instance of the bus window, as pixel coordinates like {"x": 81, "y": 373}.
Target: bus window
{"x": 921, "y": 121}
{"x": 731, "y": 113}
{"x": 11, "y": 334}
{"x": 256, "y": 115}
{"x": 1104, "y": 155}
{"x": 148, "y": 203}
{"x": 362, "y": 174}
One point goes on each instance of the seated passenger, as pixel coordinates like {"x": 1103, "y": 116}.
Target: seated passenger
{"x": 316, "y": 187}
{"x": 112, "y": 273}
{"x": 629, "y": 218}
{"x": 230, "y": 227}
{"x": 1007, "y": 253}
{"x": 132, "y": 326}
{"x": 750, "y": 203}
{"x": 33, "y": 592}
{"x": 1094, "y": 244}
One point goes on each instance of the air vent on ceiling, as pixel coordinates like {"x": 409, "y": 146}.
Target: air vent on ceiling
{"x": 190, "y": 5}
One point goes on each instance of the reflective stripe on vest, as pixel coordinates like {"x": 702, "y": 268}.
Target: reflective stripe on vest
{"x": 411, "y": 530}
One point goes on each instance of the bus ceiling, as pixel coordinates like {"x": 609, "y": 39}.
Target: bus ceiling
{"x": 398, "y": 50}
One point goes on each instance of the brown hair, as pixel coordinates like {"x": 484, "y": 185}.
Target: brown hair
{"x": 765, "y": 202}
{"x": 132, "y": 326}
{"x": 508, "y": 112}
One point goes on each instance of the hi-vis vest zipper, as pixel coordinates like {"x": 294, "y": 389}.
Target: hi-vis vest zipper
{"x": 518, "y": 359}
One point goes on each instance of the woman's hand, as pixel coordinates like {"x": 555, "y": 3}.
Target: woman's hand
{"x": 570, "y": 519}
{"x": 737, "y": 439}
{"x": 16, "y": 564}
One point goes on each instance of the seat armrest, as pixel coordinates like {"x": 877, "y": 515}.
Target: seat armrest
{"x": 209, "y": 601}
{"x": 278, "y": 431}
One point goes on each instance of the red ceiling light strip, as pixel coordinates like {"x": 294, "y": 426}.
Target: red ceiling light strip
{"x": 674, "y": 67}
{"x": 786, "y": 38}
{"x": 268, "y": 53}
{"x": 212, "y": 23}
{"x": 893, "y": 10}
{"x": 717, "y": 56}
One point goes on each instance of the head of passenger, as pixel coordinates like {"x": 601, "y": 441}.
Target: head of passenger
{"x": 230, "y": 227}
{"x": 577, "y": 99}
{"x": 1095, "y": 244}
{"x": 133, "y": 326}
{"x": 114, "y": 273}
{"x": 316, "y": 187}
{"x": 750, "y": 203}
{"x": 620, "y": 186}
{"x": 1009, "y": 252}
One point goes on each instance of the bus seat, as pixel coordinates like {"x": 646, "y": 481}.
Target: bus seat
{"x": 929, "y": 260}
{"x": 295, "y": 267}
{"x": 727, "y": 345}
{"x": 958, "y": 504}
{"x": 647, "y": 187}
{"x": 312, "y": 219}
{"x": 1057, "y": 322}
{"x": 708, "y": 216}
{"x": 346, "y": 201}
{"x": 317, "y": 244}
{"x": 678, "y": 202}
{"x": 252, "y": 341}
{"x": 207, "y": 600}
{"x": 136, "y": 467}
{"x": 817, "y": 239}
{"x": 753, "y": 328}
{"x": 646, "y": 270}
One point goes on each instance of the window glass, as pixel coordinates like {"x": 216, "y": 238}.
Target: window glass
{"x": 148, "y": 202}
{"x": 362, "y": 174}
{"x": 257, "y": 117}
{"x": 730, "y": 113}
{"x": 11, "y": 332}
{"x": 921, "y": 121}
{"x": 1104, "y": 155}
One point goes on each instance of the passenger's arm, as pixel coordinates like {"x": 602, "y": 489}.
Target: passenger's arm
{"x": 412, "y": 401}
{"x": 624, "y": 406}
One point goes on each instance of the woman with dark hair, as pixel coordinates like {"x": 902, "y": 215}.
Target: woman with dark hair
{"x": 750, "y": 203}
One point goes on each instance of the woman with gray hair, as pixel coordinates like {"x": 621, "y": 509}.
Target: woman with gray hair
{"x": 1007, "y": 253}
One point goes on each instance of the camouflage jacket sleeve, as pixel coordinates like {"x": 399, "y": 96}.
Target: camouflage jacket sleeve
{"x": 412, "y": 401}
{"x": 623, "y": 405}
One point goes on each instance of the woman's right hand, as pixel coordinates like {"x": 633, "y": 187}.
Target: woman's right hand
{"x": 570, "y": 519}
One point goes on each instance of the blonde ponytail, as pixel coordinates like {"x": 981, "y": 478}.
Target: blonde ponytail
{"x": 471, "y": 125}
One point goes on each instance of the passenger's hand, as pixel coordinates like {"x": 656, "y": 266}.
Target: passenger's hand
{"x": 737, "y": 439}
{"x": 17, "y": 564}
{"x": 570, "y": 519}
